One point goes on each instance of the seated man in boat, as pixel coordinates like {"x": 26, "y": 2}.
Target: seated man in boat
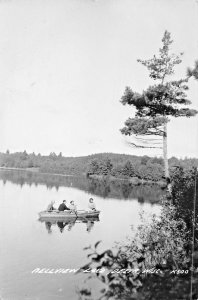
{"x": 91, "y": 205}
{"x": 50, "y": 207}
{"x": 72, "y": 206}
{"x": 63, "y": 206}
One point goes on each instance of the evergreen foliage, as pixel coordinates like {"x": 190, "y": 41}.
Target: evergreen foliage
{"x": 105, "y": 164}
{"x": 158, "y": 102}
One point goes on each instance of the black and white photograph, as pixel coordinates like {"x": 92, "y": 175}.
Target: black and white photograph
{"x": 98, "y": 149}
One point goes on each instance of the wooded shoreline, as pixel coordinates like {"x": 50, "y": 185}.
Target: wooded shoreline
{"x": 133, "y": 180}
{"x": 138, "y": 170}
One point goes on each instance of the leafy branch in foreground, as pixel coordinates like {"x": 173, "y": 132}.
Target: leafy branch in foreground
{"x": 161, "y": 260}
{"x": 139, "y": 268}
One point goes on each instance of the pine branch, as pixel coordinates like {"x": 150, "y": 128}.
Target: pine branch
{"x": 154, "y": 141}
{"x": 141, "y": 146}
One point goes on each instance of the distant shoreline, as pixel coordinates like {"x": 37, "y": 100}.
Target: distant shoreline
{"x": 35, "y": 170}
{"x": 22, "y": 169}
{"x": 137, "y": 170}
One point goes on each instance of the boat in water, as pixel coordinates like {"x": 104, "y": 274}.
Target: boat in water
{"x": 62, "y": 215}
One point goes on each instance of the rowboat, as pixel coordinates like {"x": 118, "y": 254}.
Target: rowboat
{"x": 62, "y": 215}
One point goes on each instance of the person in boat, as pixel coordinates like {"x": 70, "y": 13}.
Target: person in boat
{"x": 91, "y": 205}
{"x": 50, "y": 207}
{"x": 72, "y": 206}
{"x": 63, "y": 206}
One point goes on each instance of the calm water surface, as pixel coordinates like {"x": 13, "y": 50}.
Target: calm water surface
{"x": 27, "y": 243}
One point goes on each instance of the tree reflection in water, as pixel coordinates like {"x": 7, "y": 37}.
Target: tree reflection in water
{"x": 105, "y": 188}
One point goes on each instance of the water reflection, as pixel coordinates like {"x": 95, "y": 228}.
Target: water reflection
{"x": 59, "y": 243}
{"x": 119, "y": 189}
{"x": 68, "y": 224}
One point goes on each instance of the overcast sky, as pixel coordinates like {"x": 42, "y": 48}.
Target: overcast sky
{"x": 64, "y": 65}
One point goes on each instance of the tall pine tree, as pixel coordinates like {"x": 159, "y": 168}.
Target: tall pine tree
{"x": 158, "y": 102}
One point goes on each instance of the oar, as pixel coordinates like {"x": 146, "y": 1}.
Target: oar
{"x": 75, "y": 214}
{"x": 84, "y": 218}
{"x": 81, "y": 216}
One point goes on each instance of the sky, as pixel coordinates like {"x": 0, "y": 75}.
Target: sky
{"x": 64, "y": 66}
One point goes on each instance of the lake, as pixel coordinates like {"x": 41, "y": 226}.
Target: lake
{"x": 27, "y": 243}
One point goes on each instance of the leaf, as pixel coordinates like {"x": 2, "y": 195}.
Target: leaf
{"x": 140, "y": 259}
{"x": 96, "y": 244}
{"x": 90, "y": 254}
{"x": 87, "y": 248}
{"x": 103, "y": 278}
{"x": 99, "y": 256}
{"x": 85, "y": 267}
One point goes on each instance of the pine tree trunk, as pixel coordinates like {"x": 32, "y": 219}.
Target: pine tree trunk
{"x": 166, "y": 169}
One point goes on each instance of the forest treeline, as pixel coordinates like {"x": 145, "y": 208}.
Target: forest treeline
{"x": 116, "y": 165}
